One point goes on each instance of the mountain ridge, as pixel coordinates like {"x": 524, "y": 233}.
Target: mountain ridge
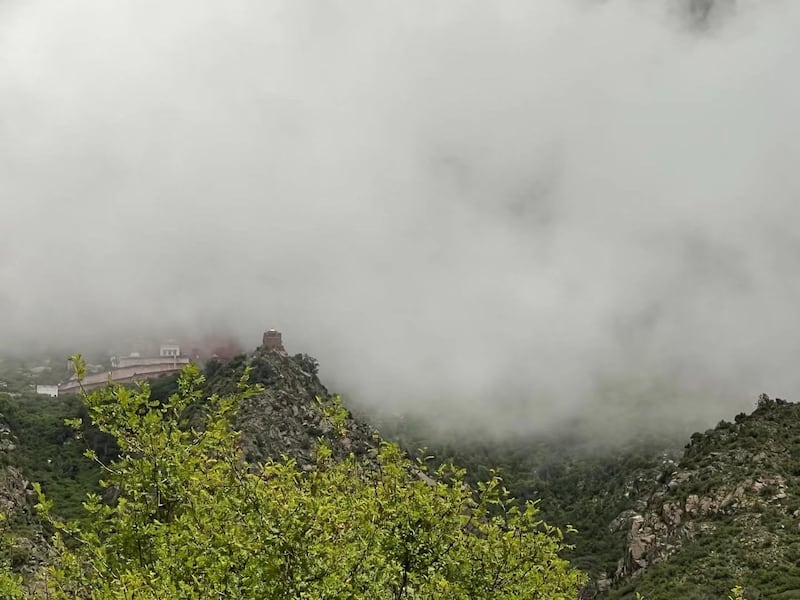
{"x": 724, "y": 511}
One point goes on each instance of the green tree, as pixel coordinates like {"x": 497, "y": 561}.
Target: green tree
{"x": 191, "y": 519}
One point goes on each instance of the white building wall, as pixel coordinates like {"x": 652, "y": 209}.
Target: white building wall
{"x": 130, "y": 361}
{"x": 170, "y": 350}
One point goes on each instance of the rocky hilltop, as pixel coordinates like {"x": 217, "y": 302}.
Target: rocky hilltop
{"x": 666, "y": 524}
{"x": 286, "y": 418}
{"x": 727, "y": 512}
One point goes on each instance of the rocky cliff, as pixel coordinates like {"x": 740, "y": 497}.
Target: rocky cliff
{"x": 286, "y": 418}
{"x": 727, "y": 513}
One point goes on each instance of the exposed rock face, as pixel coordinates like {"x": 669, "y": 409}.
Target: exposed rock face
{"x": 655, "y": 536}
{"x": 287, "y": 417}
{"x": 737, "y": 486}
{"x": 14, "y": 488}
{"x": 7, "y": 441}
{"x": 15, "y": 492}
{"x": 28, "y": 546}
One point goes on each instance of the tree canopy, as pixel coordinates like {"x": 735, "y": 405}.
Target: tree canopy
{"x": 184, "y": 516}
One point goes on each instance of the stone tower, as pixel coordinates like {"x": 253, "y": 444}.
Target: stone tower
{"x": 273, "y": 340}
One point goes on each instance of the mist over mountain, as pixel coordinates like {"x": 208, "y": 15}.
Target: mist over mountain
{"x": 522, "y": 211}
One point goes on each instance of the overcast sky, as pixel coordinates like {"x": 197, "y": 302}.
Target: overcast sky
{"x": 504, "y": 207}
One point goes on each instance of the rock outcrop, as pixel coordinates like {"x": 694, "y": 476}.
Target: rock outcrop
{"x": 25, "y": 546}
{"x": 735, "y": 491}
{"x": 287, "y": 419}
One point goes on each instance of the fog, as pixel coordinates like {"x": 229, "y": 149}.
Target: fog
{"x": 511, "y": 212}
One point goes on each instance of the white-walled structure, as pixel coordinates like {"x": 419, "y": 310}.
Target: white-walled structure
{"x": 129, "y": 361}
{"x": 170, "y": 350}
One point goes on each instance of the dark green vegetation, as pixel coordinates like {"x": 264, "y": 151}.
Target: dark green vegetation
{"x": 730, "y": 510}
{"x": 575, "y": 483}
{"x": 578, "y": 486}
{"x": 190, "y": 518}
{"x": 660, "y": 520}
{"x": 50, "y": 452}
{"x": 652, "y": 517}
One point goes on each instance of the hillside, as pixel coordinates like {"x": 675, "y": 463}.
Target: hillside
{"x": 26, "y": 549}
{"x": 657, "y": 519}
{"x": 190, "y": 516}
{"x": 576, "y": 482}
{"x": 728, "y": 511}
{"x": 285, "y": 418}
{"x": 651, "y": 518}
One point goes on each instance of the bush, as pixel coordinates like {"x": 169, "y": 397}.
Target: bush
{"x": 192, "y": 520}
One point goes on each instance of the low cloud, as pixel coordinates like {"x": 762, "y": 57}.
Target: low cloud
{"x": 510, "y": 213}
